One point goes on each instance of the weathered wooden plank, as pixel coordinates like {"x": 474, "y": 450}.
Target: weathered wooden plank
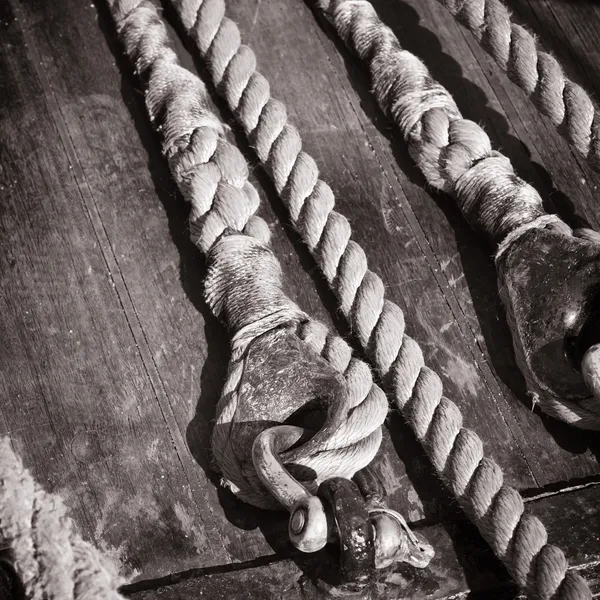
{"x": 92, "y": 191}
{"x": 307, "y": 578}
{"x": 77, "y": 399}
{"x": 153, "y": 260}
{"x": 75, "y": 356}
{"x": 275, "y": 581}
{"x": 141, "y": 226}
{"x": 462, "y": 567}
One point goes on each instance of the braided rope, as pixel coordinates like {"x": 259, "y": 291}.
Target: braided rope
{"x": 212, "y": 175}
{"x": 517, "y": 538}
{"x": 537, "y": 73}
{"x": 51, "y": 559}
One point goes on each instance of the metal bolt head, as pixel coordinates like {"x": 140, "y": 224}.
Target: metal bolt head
{"x": 298, "y": 520}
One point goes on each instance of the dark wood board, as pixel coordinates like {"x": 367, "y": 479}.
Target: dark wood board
{"x": 463, "y": 567}
{"x": 77, "y": 399}
{"x": 112, "y": 364}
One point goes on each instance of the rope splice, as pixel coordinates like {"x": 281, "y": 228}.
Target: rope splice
{"x": 427, "y": 116}
{"x": 283, "y": 364}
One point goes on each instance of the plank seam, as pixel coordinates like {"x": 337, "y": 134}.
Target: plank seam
{"x": 175, "y": 578}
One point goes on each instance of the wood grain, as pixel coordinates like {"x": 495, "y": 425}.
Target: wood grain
{"x": 77, "y": 398}
{"x": 136, "y": 224}
{"x": 111, "y": 365}
{"x": 463, "y": 565}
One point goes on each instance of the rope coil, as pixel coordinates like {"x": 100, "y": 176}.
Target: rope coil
{"x": 518, "y": 539}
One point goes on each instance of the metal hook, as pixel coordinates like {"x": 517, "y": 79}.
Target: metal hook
{"x": 343, "y": 517}
{"x": 308, "y": 525}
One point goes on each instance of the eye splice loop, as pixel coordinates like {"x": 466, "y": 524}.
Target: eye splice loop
{"x": 284, "y": 369}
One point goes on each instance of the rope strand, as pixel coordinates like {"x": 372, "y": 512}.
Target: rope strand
{"x": 537, "y": 73}
{"x": 518, "y": 539}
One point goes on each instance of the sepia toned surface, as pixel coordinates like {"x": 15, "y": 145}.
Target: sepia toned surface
{"x": 111, "y": 365}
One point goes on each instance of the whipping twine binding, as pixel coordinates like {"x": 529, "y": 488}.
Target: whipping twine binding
{"x": 517, "y": 538}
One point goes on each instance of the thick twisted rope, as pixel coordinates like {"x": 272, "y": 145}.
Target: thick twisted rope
{"x": 243, "y": 284}
{"x": 537, "y": 73}
{"x": 52, "y": 561}
{"x": 517, "y": 538}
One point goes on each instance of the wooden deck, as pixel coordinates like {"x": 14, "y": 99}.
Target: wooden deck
{"x": 111, "y": 365}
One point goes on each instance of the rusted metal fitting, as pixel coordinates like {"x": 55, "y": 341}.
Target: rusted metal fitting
{"x": 550, "y": 285}
{"x": 370, "y": 536}
{"x": 338, "y": 512}
{"x": 394, "y": 541}
{"x": 353, "y": 531}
